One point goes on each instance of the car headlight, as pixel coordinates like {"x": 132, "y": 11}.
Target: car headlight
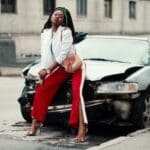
{"x": 117, "y": 87}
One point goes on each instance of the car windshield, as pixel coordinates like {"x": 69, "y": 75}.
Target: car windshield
{"x": 128, "y": 50}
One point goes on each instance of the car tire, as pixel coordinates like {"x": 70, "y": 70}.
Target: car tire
{"x": 25, "y": 106}
{"x": 26, "y": 113}
{"x": 141, "y": 111}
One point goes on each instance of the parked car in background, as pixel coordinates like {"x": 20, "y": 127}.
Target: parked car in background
{"x": 117, "y": 85}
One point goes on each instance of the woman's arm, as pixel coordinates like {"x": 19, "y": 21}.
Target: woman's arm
{"x": 44, "y": 72}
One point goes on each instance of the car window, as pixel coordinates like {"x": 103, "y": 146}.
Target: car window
{"x": 119, "y": 49}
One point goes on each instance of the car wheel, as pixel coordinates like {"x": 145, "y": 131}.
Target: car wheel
{"x": 26, "y": 112}
{"x": 25, "y": 106}
{"x": 141, "y": 111}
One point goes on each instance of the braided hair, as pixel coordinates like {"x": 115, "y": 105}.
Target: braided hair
{"x": 67, "y": 21}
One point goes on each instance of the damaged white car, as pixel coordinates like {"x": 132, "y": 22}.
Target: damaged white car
{"x": 117, "y": 86}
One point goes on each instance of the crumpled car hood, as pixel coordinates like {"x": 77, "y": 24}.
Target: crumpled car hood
{"x": 96, "y": 70}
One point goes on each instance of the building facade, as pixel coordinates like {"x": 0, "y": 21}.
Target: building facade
{"x": 22, "y": 20}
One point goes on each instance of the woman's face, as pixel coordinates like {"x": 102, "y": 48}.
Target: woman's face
{"x": 57, "y": 17}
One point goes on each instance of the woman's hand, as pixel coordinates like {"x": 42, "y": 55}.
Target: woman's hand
{"x": 43, "y": 73}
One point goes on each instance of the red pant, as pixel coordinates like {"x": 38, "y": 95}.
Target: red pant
{"x": 46, "y": 92}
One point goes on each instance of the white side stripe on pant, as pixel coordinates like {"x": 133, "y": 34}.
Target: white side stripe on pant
{"x": 81, "y": 95}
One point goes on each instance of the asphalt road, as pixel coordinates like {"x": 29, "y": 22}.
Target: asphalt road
{"x": 13, "y": 128}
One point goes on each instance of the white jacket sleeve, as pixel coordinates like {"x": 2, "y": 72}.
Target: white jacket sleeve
{"x": 45, "y": 56}
{"x": 66, "y": 45}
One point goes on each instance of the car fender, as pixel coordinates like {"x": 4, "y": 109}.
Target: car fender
{"x": 142, "y": 77}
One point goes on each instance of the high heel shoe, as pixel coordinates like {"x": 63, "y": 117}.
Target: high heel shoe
{"x": 79, "y": 138}
{"x": 34, "y": 132}
{"x": 35, "y": 129}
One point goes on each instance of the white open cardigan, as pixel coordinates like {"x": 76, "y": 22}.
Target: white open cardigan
{"x": 61, "y": 42}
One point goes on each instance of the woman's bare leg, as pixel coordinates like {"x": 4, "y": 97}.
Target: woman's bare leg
{"x": 36, "y": 124}
{"x": 82, "y": 127}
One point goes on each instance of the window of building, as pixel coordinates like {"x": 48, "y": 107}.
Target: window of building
{"x": 108, "y": 8}
{"x": 49, "y": 6}
{"x": 132, "y": 9}
{"x": 81, "y": 7}
{"x": 8, "y": 6}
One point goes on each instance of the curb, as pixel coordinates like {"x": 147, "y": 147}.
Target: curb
{"x": 10, "y": 71}
{"x": 109, "y": 143}
{"x": 119, "y": 140}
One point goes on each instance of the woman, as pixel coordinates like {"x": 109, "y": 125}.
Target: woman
{"x": 56, "y": 45}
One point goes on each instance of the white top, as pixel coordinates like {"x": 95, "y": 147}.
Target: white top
{"x": 62, "y": 46}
